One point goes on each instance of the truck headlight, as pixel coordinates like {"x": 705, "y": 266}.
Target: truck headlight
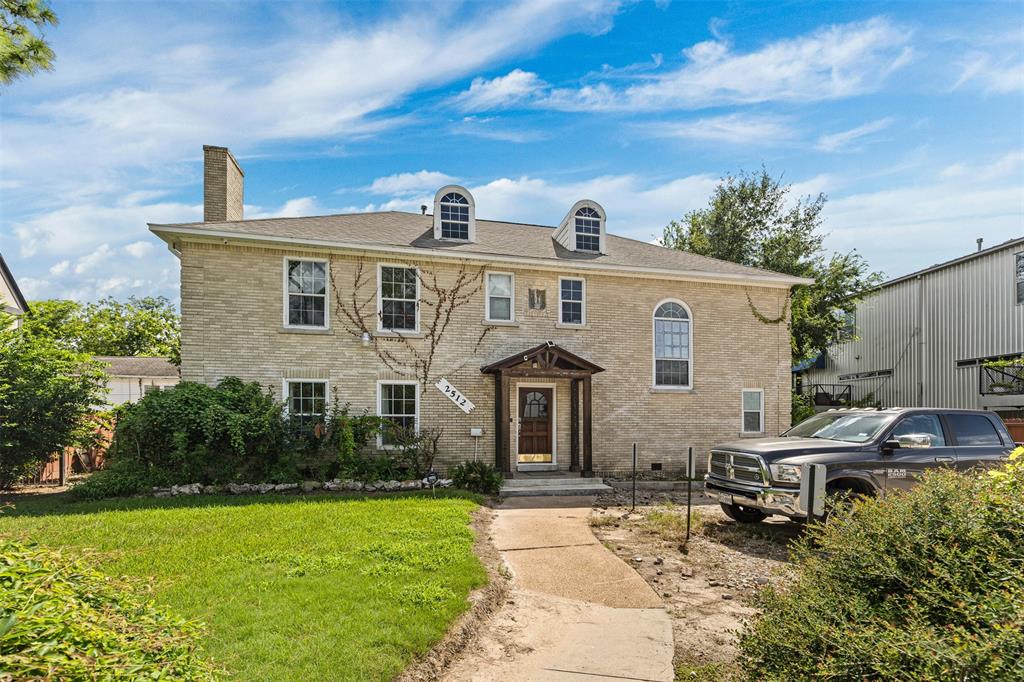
{"x": 785, "y": 473}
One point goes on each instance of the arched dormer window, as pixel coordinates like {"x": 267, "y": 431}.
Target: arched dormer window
{"x": 583, "y": 230}
{"x": 454, "y": 214}
{"x": 588, "y": 229}
{"x": 673, "y": 352}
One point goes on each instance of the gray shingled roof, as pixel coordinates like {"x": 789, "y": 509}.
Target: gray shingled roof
{"x": 493, "y": 238}
{"x": 122, "y": 366}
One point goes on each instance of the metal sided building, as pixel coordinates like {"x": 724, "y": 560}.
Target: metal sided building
{"x": 924, "y": 339}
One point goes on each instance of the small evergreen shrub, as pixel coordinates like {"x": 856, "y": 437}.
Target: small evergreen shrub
{"x": 926, "y": 585}
{"x": 120, "y": 478}
{"x": 60, "y": 620}
{"x": 477, "y": 477}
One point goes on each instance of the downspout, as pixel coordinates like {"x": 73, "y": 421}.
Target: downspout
{"x": 920, "y": 341}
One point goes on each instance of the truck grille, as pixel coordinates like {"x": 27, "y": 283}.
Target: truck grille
{"x": 737, "y": 467}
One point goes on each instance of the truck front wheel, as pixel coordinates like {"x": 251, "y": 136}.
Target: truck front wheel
{"x": 743, "y": 514}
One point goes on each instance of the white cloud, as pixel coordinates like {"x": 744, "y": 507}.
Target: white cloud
{"x": 409, "y": 183}
{"x": 300, "y": 206}
{"x": 993, "y": 74}
{"x": 103, "y": 255}
{"x": 1003, "y": 167}
{"x": 485, "y": 95}
{"x": 832, "y": 62}
{"x": 842, "y": 140}
{"x": 59, "y": 268}
{"x": 731, "y": 129}
{"x": 138, "y": 249}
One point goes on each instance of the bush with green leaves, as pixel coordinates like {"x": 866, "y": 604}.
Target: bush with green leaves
{"x": 926, "y": 585}
{"x": 477, "y": 477}
{"x": 802, "y": 408}
{"x": 46, "y": 394}
{"x": 61, "y": 620}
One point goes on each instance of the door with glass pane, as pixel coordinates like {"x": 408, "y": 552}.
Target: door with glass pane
{"x": 535, "y": 414}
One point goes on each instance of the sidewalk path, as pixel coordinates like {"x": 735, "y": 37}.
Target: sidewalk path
{"x": 575, "y": 611}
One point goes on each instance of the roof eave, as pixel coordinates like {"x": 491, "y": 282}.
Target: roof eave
{"x": 13, "y": 284}
{"x": 167, "y": 232}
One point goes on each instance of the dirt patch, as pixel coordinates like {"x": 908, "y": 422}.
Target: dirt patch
{"x": 707, "y": 590}
{"x": 484, "y": 602}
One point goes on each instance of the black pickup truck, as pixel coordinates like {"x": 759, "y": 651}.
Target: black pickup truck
{"x": 865, "y": 452}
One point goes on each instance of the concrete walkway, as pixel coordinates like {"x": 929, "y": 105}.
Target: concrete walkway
{"x": 576, "y": 611}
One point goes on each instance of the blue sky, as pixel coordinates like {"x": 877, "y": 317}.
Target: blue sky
{"x": 909, "y": 116}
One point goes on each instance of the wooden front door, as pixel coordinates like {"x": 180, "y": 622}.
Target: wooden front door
{"x": 535, "y": 414}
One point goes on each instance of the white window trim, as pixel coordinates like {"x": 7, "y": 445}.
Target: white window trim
{"x": 583, "y": 307}
{"x": 437, "y": 213}
{"x": 654, "y": 349}
{"x": 743, "y": 411}
{"x": 566, "y": 232}
{"x": 286, "y": 397}
{"x": 487, "y": 297}
{"x": 327, "y": 292}
{"x": 403, "y": 382}
{"x": 576, "y": 230}
{"x": 380, "y": 299}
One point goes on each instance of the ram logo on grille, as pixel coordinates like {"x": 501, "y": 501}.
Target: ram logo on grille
{"x": 737, "y": 467}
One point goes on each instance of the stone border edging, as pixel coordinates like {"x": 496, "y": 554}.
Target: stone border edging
{"x": 335, "y": 485}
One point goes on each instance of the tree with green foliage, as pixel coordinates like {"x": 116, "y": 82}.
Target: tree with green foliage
{"x": 23, "y": 48}
{"x": 147, "y": 326}
{"x": 752, "y": 220}
{"x": 46, "y": 392}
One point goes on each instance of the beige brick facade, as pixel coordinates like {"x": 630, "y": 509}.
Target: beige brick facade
{"x": 233, "y": 324}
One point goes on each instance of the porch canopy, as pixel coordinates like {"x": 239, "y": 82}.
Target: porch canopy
{"x": 551, "y": 361}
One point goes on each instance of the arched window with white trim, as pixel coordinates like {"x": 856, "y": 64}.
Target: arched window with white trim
{"x": 672, "y": 348}
{"x": 588, "y": 229}
{"x": 454, "y": 214}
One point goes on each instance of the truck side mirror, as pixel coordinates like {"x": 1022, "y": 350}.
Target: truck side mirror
{"x": 890, "y": 445}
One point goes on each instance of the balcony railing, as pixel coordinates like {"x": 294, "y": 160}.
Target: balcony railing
{"x": 1006, "y": 380}
{"x": 829, "y": 395}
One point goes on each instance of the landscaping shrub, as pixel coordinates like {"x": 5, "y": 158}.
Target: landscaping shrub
{"x": 60, "y": 620}
{"x": 802, "y": 408}
{"x": 477, "y": 477}
{"x": 119, "y": 478}
{"x": 926, "y": 585}
{"x": 46, "y": 393}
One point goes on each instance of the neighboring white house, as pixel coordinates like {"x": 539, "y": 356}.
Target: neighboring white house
{"x": 11, "y": 299}
{"x": 132, "y": 377}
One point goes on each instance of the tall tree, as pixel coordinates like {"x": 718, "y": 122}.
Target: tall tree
{"x": 23, "y": 48}
{"x": 751, "y": 219}
{"x": 139, "y": 326}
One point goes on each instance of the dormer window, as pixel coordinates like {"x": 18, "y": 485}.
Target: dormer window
{"x": 583, "y": 230}
{"x": 588, "y": 230}
{"x": 454, "y": 214}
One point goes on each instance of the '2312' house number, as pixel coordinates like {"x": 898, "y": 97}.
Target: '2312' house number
{"x": 455, "y": 395}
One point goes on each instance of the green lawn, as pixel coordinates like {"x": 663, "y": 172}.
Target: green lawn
{"x": 290, "y": 588}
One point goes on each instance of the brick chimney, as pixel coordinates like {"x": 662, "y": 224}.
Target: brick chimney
{"x": 223, "y": 182}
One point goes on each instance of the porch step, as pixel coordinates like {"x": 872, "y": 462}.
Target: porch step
{"x": 560, "y": 485}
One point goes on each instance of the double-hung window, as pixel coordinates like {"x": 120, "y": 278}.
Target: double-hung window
{"x": 753, "y": 410}
{"x": 572, "y": 301}
{"x": 306, "y": 293}
{"x": 500, "y": 297}
{"x": 306, "y": 400}
{"x": 671, "y": 346}
{"x": 399, "y": 292}
{"x": 398, "y": 405}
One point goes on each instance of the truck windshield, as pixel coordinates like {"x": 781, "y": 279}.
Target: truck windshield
{"x": 852, "y": 428}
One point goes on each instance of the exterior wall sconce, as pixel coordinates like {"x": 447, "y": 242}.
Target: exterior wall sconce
{"x": 366, "y": 339}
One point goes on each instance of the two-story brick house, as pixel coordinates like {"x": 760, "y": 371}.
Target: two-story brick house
{"x": 568, "y": 343}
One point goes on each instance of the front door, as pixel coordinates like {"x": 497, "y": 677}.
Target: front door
{"x": 535, "y": 409}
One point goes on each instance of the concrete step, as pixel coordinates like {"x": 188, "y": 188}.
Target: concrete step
{"x": 571, "y": 485}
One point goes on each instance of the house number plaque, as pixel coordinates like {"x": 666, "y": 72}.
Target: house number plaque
{"x": 454, "y": 395}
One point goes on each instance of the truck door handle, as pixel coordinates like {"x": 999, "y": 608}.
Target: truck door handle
{"x": 944, "y": 459}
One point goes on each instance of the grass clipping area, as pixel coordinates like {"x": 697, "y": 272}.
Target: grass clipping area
{"x": 288, "y": 587}
{"x": 62, "y": 620}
